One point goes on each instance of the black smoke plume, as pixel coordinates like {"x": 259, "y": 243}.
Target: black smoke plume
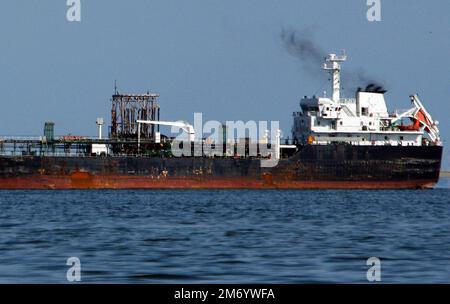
{"x": 363, "y": 82}
{"x": 302, "y": 45}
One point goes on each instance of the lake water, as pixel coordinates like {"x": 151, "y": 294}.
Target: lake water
{"x": 225, "y": 236}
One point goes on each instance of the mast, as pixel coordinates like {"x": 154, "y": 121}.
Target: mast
{"x": 333, "y": 65}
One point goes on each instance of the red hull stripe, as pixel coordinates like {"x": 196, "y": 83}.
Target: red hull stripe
{"x": 142, "y": 182}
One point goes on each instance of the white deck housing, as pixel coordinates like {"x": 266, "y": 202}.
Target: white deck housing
{"x": 363, "y": 120}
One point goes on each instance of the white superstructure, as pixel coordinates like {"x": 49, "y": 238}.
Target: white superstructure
{"x": 363, "y": 120}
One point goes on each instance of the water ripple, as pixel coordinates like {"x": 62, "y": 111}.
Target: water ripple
{"x": 225, "y": 236}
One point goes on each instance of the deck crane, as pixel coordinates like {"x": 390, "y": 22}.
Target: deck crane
{"x": 185, "y": 126}
{"x": 424, "y": 118}
{"x": 421, "y": 118}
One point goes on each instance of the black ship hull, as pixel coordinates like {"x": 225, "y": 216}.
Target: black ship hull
{"x": 311, "y": 167}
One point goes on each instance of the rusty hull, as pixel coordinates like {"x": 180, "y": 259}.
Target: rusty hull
{"x": 312, "y": 167}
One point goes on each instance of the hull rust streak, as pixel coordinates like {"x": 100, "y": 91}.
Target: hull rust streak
{"x": 313, "y": 167}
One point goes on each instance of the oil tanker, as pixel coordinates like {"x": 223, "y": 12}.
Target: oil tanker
{"x": 336, "y": 143}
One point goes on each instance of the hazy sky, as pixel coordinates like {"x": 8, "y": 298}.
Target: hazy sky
{"x": 222, "y": 58}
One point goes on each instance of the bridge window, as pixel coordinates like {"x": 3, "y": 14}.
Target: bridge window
{"x": 364, "y": 111}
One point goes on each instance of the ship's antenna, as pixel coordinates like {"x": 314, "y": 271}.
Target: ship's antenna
{"x": 333, "y": 65}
